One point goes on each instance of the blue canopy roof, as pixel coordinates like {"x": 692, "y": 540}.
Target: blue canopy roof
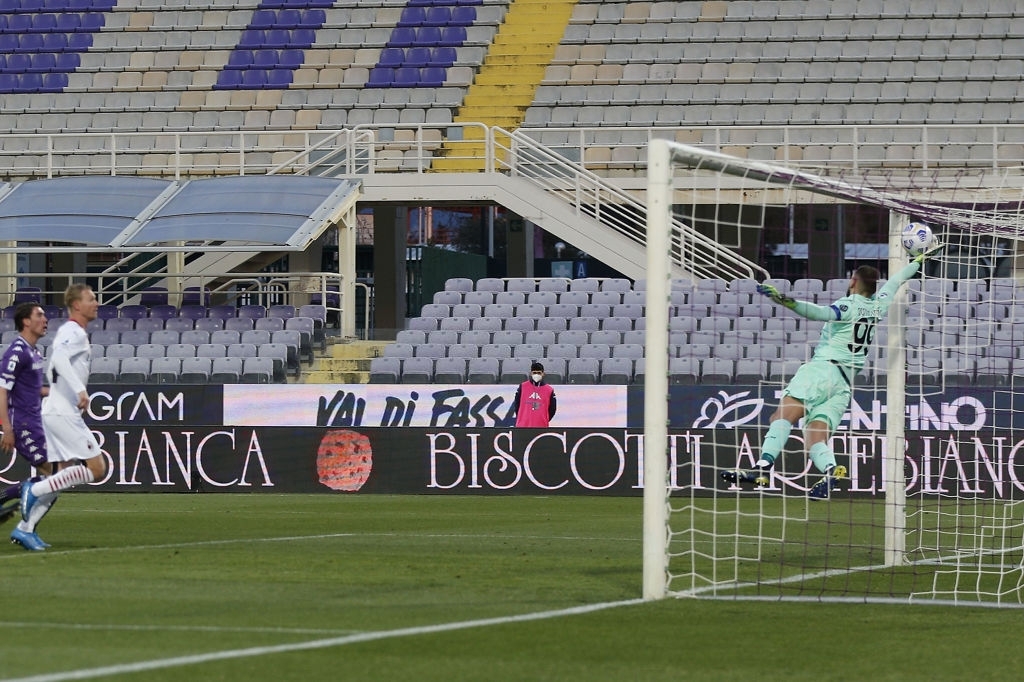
{"x": 239, "y": 213}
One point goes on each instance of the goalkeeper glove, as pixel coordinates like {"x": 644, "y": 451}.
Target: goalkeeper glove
{"x": 776, "y": 296}
{"x": 935, "y": 250}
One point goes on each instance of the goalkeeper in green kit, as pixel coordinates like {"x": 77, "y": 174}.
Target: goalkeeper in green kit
{"x": 821, "y": 389}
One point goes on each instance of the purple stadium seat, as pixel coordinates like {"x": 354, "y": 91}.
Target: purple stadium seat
{"x": 228, "y": 79}
{"x": 54, "y": 81}
{"x": 452, "y": 36}
{"x": 30, "y": 42}
{"x": 263, "y": 19}
{"x": 43, "y": 62}
{"x": 428, "y": 35}
{"x": 18, "y": 62}
{"x": 302, "y": 38}
{"x": 152, "y": 296}
{"x": 312, "y": 18}
{"x": 433, "y": 76}
{"x": 463, "y": 15}
{"x": 69, "y": 22}
{"x": 163, "y": 311}
{"x": 44, "y": 22}
{"x": 92, "y": 21}
{"x": 333, "y": 297}
{"x": 19, "y": 23}
{"x": 277, "y": 37}
{"x": 192, "y": 312}
{"x": 264, "y": 59}
{"x": 289, "y": 18}
{"x": 68, "y": 61}
{"x": 381, "y": 77}
{"x": 252, "y": 39}
{"x": 402, "y": 36}
{"x": 32, "y": 5}
{"x": 30, "y": 82}
{"x": 191, "y": 296}
{"x": 134, "y": 312}
{"x": 407, "y": 77}
{"x": 254, "y": 78}
{"x": 28, "y": 295}
{"x": 442, "y": 56}
{"x": 417, "y": 56}
{"x": 279, "y": 78}
{"x": 55, "y": 42}
{"x": 413, "y": 15}
{"x": 252, "y": 311}
{"x": 8, "y": 45}
{"x": 79, "y": 42}
{"x": 392, "y": 57}
{"x": 438, "y": 15}
{"x": 239, "y": 59}
{"x": 290, "y": 59}
{"x": 222, "y": 311}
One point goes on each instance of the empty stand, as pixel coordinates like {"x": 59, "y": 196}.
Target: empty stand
{"x": 713, "y": 349}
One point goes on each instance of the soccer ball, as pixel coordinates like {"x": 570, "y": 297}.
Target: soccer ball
{"x": 917, "y": 238}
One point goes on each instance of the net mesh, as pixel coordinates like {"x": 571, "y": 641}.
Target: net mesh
{"x": 941, "y": 519}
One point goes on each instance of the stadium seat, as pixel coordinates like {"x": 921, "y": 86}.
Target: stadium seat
{"x": 450, "y": 370}
{"x": 483, "y": 370}
{"x": 165, "y": 370}
{"x": 223, "y": 370}
{"x": 385, "y": 370}
{"x": 104, "y": 370}
{"x": 256, "y": 370}
{"x": 684, "y": 371}
{"x": 134, "y": 370}
{"x": 418, "y": 370}
{"x": 584, "y": 370}
{"x": 278, "y": 354}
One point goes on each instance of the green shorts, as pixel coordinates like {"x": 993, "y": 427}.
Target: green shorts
{"x": 823, "y": 390}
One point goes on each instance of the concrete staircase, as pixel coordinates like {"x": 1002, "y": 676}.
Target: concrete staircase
{"x": 346, "y": 362}
{"x": 504, "y": 88}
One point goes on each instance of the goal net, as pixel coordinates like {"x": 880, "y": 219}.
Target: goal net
{"x": 932, "y": 439}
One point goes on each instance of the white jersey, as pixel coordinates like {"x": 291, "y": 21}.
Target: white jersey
{"x": 68, "y": 370}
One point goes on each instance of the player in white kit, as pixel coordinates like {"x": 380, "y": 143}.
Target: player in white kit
{"x": 71, "y": 445}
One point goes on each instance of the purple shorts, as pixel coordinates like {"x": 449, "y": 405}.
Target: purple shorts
{"x": 30, "y": 443}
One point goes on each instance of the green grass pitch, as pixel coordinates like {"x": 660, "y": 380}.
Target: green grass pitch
{"x": 322, "y": 587}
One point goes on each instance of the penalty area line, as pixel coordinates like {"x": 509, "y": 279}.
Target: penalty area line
{"x": 176, "y": 661}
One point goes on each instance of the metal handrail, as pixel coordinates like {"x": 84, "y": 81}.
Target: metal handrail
{"x": 596, "y": 198}
{"x": 241, "y": 151}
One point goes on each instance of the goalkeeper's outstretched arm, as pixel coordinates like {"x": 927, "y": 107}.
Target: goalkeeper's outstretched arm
{"x": 906, "y": 272}
{"x": 812, "y": 311}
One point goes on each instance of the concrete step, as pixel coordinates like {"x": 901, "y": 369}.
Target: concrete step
{"x": 325, "y": 377}
{"x": 342, "y": 365}
{"x": 357, "y": 349}
{"x": 346, "y": 362}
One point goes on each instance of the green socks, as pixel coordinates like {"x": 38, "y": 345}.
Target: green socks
{"x": 778, "y": 434}
{"x": 822, "y": 457}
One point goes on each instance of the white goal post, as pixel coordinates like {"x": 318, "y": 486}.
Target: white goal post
{"x": 933, "y": 513}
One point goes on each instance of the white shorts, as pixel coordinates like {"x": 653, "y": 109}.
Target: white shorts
{"x": 68, "y": 438}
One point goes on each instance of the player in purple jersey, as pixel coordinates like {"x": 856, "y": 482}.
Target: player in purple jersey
{"x": 72, "y": 448}
{"x": 21, "y": 392}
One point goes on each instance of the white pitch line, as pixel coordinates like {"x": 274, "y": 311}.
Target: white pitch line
{"x": 179, "y": 545}
{"x": 181, "y": 628}
{"x": 161, "y": 663}
{"x": 299, "y": 538}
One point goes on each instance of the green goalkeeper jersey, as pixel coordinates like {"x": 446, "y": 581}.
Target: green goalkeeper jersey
{"x": 850, "y": 330}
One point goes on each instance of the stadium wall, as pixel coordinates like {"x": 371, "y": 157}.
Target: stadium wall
{"x": 435, "y": 439}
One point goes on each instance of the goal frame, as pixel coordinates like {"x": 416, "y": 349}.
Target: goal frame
{"x": 662, "y": 156}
